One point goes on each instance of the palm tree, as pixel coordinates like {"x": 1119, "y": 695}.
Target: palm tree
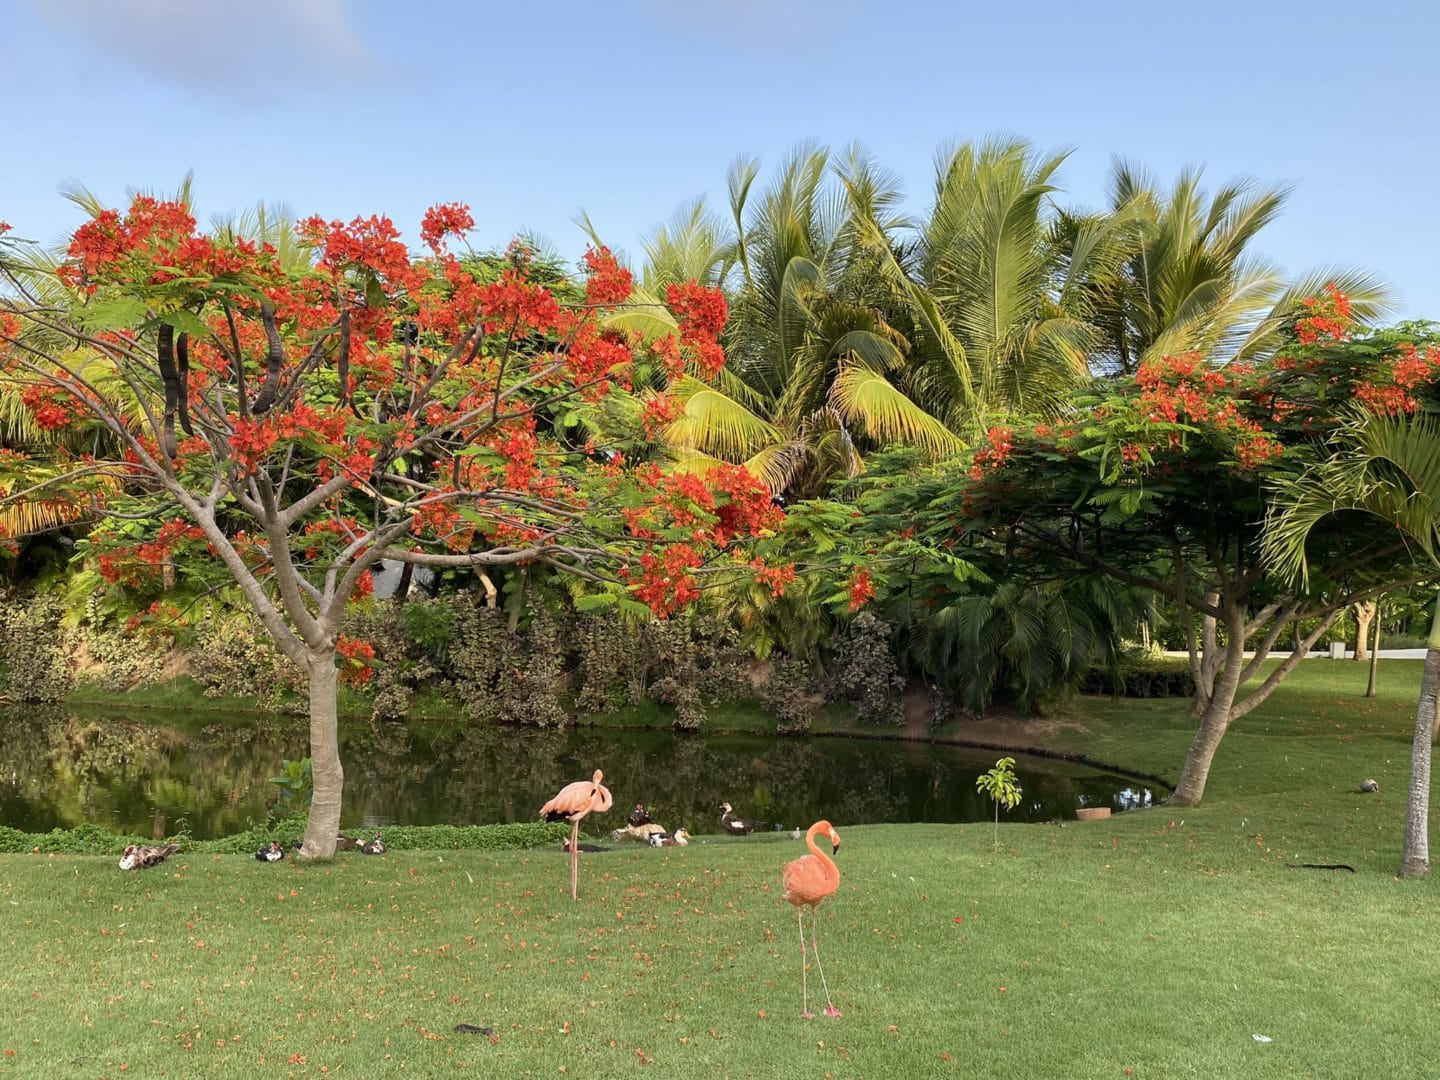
{"x": 1387, "y": 467}
{"x": 809, "y": 382}
{"x": 854, "y": 328}
{"x": 998, "y": 285}
{"x": 1191, "y": 281}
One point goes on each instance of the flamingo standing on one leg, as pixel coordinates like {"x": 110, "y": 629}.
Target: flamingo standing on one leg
{"x": 573, "y": 803}
{"x": 809, "y": 880}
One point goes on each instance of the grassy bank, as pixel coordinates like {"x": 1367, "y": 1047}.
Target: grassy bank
{"x": 1157, "y": 942}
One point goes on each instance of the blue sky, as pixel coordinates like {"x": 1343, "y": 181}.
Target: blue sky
{"x": 531, "y": 112}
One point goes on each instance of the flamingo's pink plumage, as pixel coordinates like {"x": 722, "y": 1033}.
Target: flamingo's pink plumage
{"x": 573, "y": 803}
{"x": 808, "y": 880}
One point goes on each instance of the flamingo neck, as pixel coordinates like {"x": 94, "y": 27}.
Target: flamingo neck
{"x": 831, "y": 870}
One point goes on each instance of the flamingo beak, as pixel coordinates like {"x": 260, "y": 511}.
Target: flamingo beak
{"x": 834, "y": 847}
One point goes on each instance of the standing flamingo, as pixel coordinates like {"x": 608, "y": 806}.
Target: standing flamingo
{"x": 573, "y": 803}
{"x": 809, "y": 880}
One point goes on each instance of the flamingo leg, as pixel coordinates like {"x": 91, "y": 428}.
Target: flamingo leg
{"x": 805, "y": 1012}
{"x": 575, "y": 859}
{"x": 830, "y": 1009}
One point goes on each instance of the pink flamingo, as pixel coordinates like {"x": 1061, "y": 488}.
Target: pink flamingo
{"x": 809, "y": 880}
{"x": 573, "y": 803}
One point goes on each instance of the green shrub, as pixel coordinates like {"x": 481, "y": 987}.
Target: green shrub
{"x": 34, "y": 650}
{"x": 864, "y": 672}
{"x": 1162, "y": 678}
{"x": 787, "y": 694}
{"x": 236, "y": 658}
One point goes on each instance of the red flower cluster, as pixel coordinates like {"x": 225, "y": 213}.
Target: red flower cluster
{"x": 356, "y": 659}
{"x": 596, "y": 357}
{"x": 373, "y": 243}
{"x": 1328, "y": 318}
{"x": 702, "y": 313}
{"x": 1410, "y": 370}
{"x": 445, "y": 219}
{"x": 658, "y": 413}
{"x": 51, "y": 407}
{"x": 775, "y": 578}
{"x": 151, "y": 228}
{"x": 667, "y": 582}
{"x": 251, "y": 441}
{"x": 748, "y": 508}
{"x": 609, "y": 283}
{"x": 862, "y": 589}
{"x": 513, "y": 304}
{"x": 999, "y": 442}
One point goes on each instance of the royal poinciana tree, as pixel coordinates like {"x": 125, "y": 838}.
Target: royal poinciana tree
{"x": 1161, "y": 481}
{"x": 288, "y": 423}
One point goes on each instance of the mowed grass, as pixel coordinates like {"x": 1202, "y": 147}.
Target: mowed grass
{"x": 1160, "y": 941}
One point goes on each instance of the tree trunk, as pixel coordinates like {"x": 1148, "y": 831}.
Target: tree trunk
{"x": 1374, "y": 654}
{"x": 1215, "y": 718}
{"x": 1364, "y": 612}
{"x": 402, "y": 587}
{"x": 1416, "y": 860}
{"x": 1205, "y": 671}
{"x": 328, "y": 776}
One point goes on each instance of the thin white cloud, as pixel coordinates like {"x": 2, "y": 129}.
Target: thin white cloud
{"x": 221, "y": 48}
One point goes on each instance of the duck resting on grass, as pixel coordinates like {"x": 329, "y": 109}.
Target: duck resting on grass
{"x": 271, "y": 852}
{"x": 371, "y": 847}
{"x": 565, "y": 846}
{"x": 638, "y": 832}
{"x": 139, "y": 856}
{"x": 735, "y": 826}
{"x": 679, "y": 838}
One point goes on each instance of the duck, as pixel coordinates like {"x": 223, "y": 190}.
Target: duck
{"x": 679, "y": 838}
{"x": 139, "y": 856}
{"x": 1369, "y": 786}
{"x": 271, "y": 852}
{"x": 639, "y": 816}
{"x": 796, "y": 834}
{"x": 735, "y": 826}
{"x": 373, "y": 847}
{"x": 565, "y": 846}
{"x": 637, "y": 832}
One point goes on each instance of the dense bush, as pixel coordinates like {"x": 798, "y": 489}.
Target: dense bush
{"x": 788, "y": 695}
{"x": 864, "y": 672}
{"x": 1160, "y": 678}
{"x": 236, "y": 658}
{"x": 34, "y": 650}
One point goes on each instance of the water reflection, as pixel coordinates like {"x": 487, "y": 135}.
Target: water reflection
{"x": 156, "y": 776}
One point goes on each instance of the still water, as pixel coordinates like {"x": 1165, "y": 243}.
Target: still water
{"x": 209, "y": 776}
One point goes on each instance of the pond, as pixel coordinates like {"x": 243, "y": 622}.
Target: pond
{"x": 209, "y": 776}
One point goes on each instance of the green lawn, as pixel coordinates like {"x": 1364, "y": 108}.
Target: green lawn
{"x": 1159, "y": 942}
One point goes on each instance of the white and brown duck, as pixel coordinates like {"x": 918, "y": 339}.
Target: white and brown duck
{"x": 679, "y": 838}
{"x": 373, "y": 847}
{"x": 139, "y": 856}
{"x": 271, "y": 852}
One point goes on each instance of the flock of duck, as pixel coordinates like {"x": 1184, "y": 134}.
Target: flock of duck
{"x": 140, "y": 856}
